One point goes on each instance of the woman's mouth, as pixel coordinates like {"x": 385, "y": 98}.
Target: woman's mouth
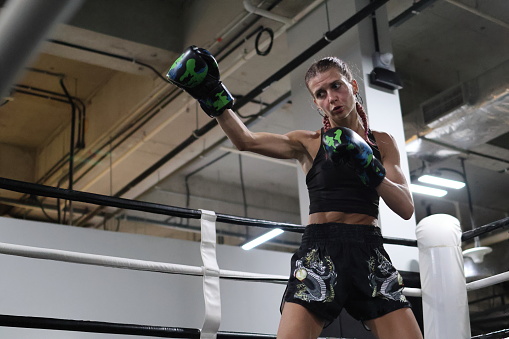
{"x": 337, "y": 109}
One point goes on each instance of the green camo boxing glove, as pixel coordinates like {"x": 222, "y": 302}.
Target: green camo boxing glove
{"x": 343, "y": 145}
{"x": 196, "y": 72}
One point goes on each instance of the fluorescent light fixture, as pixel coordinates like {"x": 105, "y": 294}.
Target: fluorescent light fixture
{"x": 429, "y": 179}
{"x": 436, "y": 192}
{"x": 261, "y": 239}
{"x": 413, "y": 146}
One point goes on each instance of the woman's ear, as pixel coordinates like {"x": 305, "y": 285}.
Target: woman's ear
{"x": 355, "y": 87}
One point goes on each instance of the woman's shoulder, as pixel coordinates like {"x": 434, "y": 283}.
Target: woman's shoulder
{"x": 382, "y": 137}
{"x": 309, "y": 142}
{"x": 386, "y": 144}
{"x": 304, "y": 135}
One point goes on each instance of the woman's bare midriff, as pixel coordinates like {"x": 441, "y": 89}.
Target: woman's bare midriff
{"x": 341, "y": 217}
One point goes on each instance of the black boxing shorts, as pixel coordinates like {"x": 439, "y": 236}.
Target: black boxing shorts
{"x": 344, "y": 266}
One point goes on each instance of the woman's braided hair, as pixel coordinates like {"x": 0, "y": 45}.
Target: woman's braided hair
{"x": 324, "y": 65}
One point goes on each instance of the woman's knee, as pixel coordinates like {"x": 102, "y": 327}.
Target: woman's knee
{"x": 397, "y": 324}
{"x": 298, "y": 322}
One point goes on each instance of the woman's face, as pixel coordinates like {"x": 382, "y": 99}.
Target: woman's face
{"x": 334, "y": 95}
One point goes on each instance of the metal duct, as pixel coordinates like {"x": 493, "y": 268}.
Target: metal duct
{"x": 464, "y": 117}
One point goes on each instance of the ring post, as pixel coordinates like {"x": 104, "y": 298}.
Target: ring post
{"x": 444, "y": 293}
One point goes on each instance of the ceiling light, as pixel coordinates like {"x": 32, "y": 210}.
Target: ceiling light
{"x": 429, "y": 179}
{"x": 413, "y": 146}
{"x": 436, "y": 192}
{"x": 477, "y": 253}
{"x": 261, "y": 239}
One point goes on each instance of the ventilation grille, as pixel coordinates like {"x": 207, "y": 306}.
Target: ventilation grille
{"x": 442, "y": 104}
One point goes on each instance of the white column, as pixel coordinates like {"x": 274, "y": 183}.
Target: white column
{"x": 444, "y": 293}
{"x": 384, "y": 113}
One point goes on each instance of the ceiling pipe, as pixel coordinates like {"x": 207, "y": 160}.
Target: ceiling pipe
{"x": 266, "y": 14}
{"x": 410, "y": 12}
{"x": 55, "y": 96}
{"x": 327, "y": 38}
{"x": 23, "y": 26}
{"x": 264, "y": 43}
{"x": 479, "y": 13}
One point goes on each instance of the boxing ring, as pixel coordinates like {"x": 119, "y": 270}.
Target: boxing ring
{"x": 443, "y": 286}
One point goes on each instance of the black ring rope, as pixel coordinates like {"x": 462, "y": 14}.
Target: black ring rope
{"x": 485, "y": 229}
{"x": 115, "y": 328}
{"x": 104, "y": 200}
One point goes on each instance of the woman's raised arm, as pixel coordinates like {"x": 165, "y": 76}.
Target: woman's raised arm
{"x": 282, "y": 146}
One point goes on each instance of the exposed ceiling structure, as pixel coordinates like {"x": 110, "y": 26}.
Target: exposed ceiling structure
{"x": 134, "y": 131}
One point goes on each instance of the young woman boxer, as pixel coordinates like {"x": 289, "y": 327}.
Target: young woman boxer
{"x": 341, "y": 262}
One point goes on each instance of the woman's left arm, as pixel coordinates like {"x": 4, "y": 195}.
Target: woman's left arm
{"x": 394, "y": 188}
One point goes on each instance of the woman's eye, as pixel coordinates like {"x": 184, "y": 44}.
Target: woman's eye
{"x": 336, "y": 85}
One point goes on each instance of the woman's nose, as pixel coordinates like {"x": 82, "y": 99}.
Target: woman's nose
{"x": 332, "y": 98}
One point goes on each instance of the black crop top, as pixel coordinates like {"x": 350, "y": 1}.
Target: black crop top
{"x": 334, "y": 187}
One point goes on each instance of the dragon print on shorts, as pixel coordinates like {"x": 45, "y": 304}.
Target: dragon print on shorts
{"x": 317, "y": 277}
{"x": 384, "y": 280}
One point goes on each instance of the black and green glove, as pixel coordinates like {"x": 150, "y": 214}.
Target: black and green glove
{"x": 196, "y": 72}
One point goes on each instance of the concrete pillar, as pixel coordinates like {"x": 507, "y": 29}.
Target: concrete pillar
{"x": 355, "y": 47}
{"x": 23, "y": 26}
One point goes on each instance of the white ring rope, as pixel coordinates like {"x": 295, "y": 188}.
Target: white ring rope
{"x": 160, "y": 267}
{"x": 412, "y": 292}
{"x": 143, "y": 265}
{"x": 131, "y": 264}
{"x": 493, "y": 280}
{"x": 471, "y": 286}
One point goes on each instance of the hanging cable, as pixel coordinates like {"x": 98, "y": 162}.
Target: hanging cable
{"x": 44, "y": 210}
{"x": 54, "y": 96}
{"x": 327, "y": 14}
{"x": 88, "y": 49}
{"x": 470, "y": 205}
{"x": 186, "y": 178}
{"x": 220, "y": 57}
{"x": 71, "y": 155}
{"x": 375, "y": 31}
{"x": 111, "y": 169}
{"x": 257, "y": 41}
{"x": 242, "y": 186}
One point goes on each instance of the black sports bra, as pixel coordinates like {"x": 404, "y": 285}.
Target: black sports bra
{"x": 334, "y": 187}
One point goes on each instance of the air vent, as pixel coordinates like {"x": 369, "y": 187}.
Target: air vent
{"x": 442, "y": 104}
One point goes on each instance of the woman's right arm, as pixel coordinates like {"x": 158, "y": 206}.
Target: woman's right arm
{"x": 282, "y": 146}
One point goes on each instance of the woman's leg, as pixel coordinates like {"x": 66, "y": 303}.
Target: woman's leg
{"x": 298, "y": 323}
{"x": 397, "y": 324}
